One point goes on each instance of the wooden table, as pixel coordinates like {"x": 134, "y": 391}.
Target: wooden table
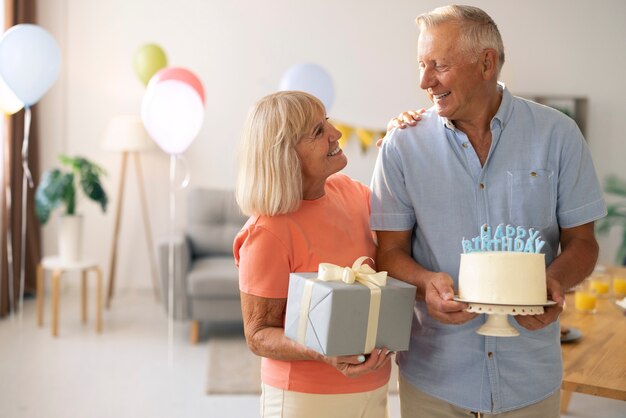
{"x": 58, "y": 267}
{"x": 596, "y": 363}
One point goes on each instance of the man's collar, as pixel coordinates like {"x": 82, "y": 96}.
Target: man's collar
{"x": 506, "y": 106}
{"x": 502, "y": 115}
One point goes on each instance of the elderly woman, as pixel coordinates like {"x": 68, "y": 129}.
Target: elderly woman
{"x": 303, "y": 212}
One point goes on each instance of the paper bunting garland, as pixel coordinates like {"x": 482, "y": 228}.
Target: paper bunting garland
{"x": 346, "y": 133}
{"x": 366, "y": 137}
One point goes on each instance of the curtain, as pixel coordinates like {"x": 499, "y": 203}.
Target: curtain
{"x": 19, "y": 11}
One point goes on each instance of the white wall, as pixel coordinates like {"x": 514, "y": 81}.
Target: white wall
{"x": 241, "y": 48}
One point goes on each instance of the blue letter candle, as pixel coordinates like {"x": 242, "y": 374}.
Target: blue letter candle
{"x": 504, "y": 238}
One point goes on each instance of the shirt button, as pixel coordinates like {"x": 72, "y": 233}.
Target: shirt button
{"x": 482, "y": 185}
{"x": 490, "y": 354}
{"x": 465, "y": 145}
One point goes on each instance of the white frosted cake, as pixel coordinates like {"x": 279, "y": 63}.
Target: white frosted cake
{"x": 503, "y": 277}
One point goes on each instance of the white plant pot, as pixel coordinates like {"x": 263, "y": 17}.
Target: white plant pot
{"x": 70, "y": 238}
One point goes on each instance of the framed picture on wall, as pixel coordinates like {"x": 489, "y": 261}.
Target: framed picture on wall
{"x": 565, "y": 105}
{"x": 574, "y": 107}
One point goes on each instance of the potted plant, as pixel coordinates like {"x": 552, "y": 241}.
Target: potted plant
{"x": 616, "y": 214}
{"x": 59, "y": 188}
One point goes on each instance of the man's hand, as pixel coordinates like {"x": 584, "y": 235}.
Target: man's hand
{"x": 550, "y": 314}
{"x": 404, "y": 119}
{"x": 579, "y": 252}
{"x": 439, "y": 294}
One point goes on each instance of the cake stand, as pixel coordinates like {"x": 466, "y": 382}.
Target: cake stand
{"x": 497, "y": 324}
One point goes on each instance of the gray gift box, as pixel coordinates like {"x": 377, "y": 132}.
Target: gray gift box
{"x": 338, "y": 314}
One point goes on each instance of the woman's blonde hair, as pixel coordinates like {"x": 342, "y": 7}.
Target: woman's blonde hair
{"x": 269, "y": 180}
{"x": 478, "y": 31}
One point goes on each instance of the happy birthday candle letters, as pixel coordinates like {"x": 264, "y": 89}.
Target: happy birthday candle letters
{"x": 504, "y": 238}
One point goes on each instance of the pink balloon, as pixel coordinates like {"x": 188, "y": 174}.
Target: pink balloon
{"x": 179, "y": 74}
{"x": 172, "y": 113}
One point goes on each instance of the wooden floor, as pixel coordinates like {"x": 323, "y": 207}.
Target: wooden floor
{"x": 125, "y": 372}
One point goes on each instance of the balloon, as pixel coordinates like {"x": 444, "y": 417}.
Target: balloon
{"x": 312, "y": 79}
{"x": 172, "y": 113}
{"x": 9, "y": 103}
{"x": 29, "y": 61}
{"x": 147, "y": 61}
{"x": 180, "y": 74}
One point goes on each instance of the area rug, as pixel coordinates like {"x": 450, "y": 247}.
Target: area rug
{"x": 233, "y": 369}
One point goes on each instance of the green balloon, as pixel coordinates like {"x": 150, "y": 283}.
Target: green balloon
{"x": 147, "y": 61}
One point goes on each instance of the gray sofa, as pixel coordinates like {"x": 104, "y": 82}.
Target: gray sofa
{"x": 205, "y": 278}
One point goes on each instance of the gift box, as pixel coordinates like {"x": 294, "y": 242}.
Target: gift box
{"x": 338, "y": 317}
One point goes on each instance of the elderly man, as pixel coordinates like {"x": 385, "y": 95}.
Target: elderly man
{"x": 480, "y": 156}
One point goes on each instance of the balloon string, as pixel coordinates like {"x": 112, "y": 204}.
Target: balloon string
{"x": 9, "y": 209}
{"x": 170, "y": 295}
{"x": 25, "y": 143}
{"x": 27, "y": 180}
{"x": 185, "y": 167}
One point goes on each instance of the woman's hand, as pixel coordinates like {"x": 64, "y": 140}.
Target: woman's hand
{"x": 354, "y": 366}
{"x": 404, "y": 119}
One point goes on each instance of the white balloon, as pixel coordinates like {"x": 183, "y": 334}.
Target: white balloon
{"x": 29, "y": 61}
{"x": 9, "y": 103}
{"x": 312, "y": 79}
{"x": 172, "y": 112}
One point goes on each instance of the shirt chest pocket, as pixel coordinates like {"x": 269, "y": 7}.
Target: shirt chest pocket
{"x": 531, "y": 197}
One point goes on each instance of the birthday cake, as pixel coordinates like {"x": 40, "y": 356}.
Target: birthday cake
{"x": 505, "y": 267}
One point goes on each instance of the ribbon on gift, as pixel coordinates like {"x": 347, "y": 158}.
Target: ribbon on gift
{"x": 359, "y": 272}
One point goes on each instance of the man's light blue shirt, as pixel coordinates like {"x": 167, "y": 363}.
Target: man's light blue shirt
{"x": 428, "y": 179}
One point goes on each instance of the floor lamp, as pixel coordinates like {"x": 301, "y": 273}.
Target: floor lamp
{"x": 126, "y": 134}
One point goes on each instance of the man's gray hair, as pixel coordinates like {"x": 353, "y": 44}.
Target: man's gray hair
{"x": 478, "y": 31}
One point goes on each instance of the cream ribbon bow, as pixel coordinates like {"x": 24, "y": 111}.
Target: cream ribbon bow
{"x": 359, "y": 272}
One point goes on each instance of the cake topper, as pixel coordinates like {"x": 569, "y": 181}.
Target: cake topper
{"x": 504, "y": 238}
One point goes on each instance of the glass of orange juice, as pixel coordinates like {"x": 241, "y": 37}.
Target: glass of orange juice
{"x": 585, "y": 298}
{"x": 600, "y": 283}
{"x": 619, "y": 286}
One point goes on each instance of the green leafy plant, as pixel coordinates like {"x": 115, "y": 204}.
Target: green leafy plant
{"x": 616, "y": 214}
{"x": 59, "y": 187}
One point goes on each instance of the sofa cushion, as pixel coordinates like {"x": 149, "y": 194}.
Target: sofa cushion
{"x": 213, "y": 277}
{"x": 213, "y": 221}
{"x": 216, "y": 310}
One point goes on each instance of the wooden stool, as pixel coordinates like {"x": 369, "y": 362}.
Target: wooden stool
{"x": 59, "y": 266}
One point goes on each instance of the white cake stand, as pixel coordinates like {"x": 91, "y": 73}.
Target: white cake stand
{"x": 497, "y": 324}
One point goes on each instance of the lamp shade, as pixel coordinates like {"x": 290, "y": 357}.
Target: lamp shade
{"x": 126, "y": 133}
